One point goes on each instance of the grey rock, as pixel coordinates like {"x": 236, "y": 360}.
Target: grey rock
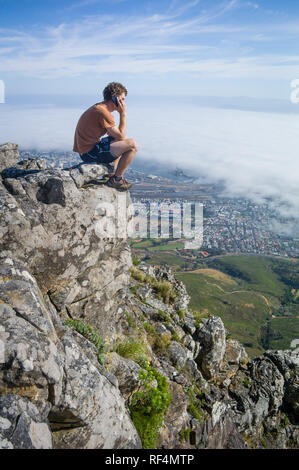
{"x": 177, "y": 354}
{"x": 189, "y": 325}
{"x": 211, "y": 336}
{"x": 21, "y": 425}
{"x": 89, "y": 405}
{"x": 9, "y": 155}
{"x": 161, "y": 329}
{"x": 127, "y": 373}
{"x": 33, "y": 164}
{"x": 176, "y": 418}
{"x": 191, "y": 367}
{"x": 55, "y": 225}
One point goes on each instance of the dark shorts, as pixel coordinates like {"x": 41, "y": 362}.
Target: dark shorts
{"x": 100, "y": 153}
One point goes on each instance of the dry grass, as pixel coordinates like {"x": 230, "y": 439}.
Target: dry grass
{"x": 215, "y": 274}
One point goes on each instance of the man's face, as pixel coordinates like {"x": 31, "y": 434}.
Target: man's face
{"x": 121, "y": 97}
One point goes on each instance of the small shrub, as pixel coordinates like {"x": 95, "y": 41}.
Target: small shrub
{"x": 195, "y": 403}
{"x": 137, "y": 274}
{"x": 162, "y": 316}
{"x": 89, "y": 333}
{"x": 162, "y": 342}
{"x": 148, "y": 406}
{"x": 135, "y": 261}
{"x": 150, "y": 280}
{"x": 133, "y": 349}
{"x": 159, "y": 343}
{"x": 164, "y": 291}
{"x": 149, "y": 328}
{"x": 181, "y": 313}
{"x": 198, "y": 317}
{"x": 176, "y": 338}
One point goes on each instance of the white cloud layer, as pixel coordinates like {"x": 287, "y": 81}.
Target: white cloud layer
{"x": 254, "y": 153}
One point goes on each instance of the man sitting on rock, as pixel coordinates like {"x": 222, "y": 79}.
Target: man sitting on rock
{"x": 94, "y": 123}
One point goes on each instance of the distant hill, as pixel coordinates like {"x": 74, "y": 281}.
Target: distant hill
{"x": 257, "y": 297}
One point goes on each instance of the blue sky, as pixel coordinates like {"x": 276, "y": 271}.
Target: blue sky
{"x": 159, "y": 47}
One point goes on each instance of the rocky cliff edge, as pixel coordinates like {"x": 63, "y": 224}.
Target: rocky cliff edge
{"x": 77, "y": 321}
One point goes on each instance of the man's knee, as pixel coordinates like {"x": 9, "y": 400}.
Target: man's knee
{"x": 132, "y": 144}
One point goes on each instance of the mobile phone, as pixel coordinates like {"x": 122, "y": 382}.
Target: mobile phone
{"x": 114, "y": 99}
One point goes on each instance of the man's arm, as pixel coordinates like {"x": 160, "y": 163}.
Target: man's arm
{"x": 120, "y": 132}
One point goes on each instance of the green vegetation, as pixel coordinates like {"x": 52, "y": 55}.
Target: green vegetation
{"x": 247, "y": 440}
{"x": 133, "y": 348}
{"x": 148, "y": 406}
{"x": 288, "y": 329}
{"x": 176, "y": 338}
{"x": 185, "y": 435}
{"x": 162, "y": 316}
{"x": 157, "y": 244}
{"x": 247, "y": 383}
{"x": 130, "y": 320}
{"x": 89, "y": 333}
{"x": 158, "y": 343}
{"x": 245, "y": 291}
{"x": 196, "y": 402}
{"x": 162, "y": 289}
{"x": 181, "y": 313}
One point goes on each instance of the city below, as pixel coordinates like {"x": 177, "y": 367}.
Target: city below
{"x": 230, "y": 225}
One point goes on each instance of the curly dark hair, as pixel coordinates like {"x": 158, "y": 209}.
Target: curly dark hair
{"x": 113, "y": 88}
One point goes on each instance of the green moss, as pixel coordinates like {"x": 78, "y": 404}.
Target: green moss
{"x": 89, "y": 333}
{"x": 185, "y": 435}
{"x": 247, "y": 383}
{"x": 247, "y": 440}
{"x": 264, "y": 443}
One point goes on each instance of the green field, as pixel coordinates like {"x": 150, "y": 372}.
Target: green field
{"x": 242, "y": 311}
{"x": 246, "y": 291}
{"x": 157, "y": 244}
{"x": 254, "y": 290}
{"x": 159, "y": 251}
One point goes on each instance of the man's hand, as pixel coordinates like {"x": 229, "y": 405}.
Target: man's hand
{"x": 122, "y": 107}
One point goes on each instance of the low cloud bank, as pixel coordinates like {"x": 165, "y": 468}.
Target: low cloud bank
{"x": 254, "y": 153}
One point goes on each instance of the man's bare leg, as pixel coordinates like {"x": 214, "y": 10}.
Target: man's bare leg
{"x": 126, "y": 149}
{"x": 115, "y": 163}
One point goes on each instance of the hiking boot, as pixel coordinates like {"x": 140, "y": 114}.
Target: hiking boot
{"x": 122, "y": 185}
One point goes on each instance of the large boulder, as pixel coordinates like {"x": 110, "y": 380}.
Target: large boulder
{"x": 44, "y": 363}
{"x": 61, "y": 224}
{"x": 212, "y": 338}
{"x": 9, "y": 155}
